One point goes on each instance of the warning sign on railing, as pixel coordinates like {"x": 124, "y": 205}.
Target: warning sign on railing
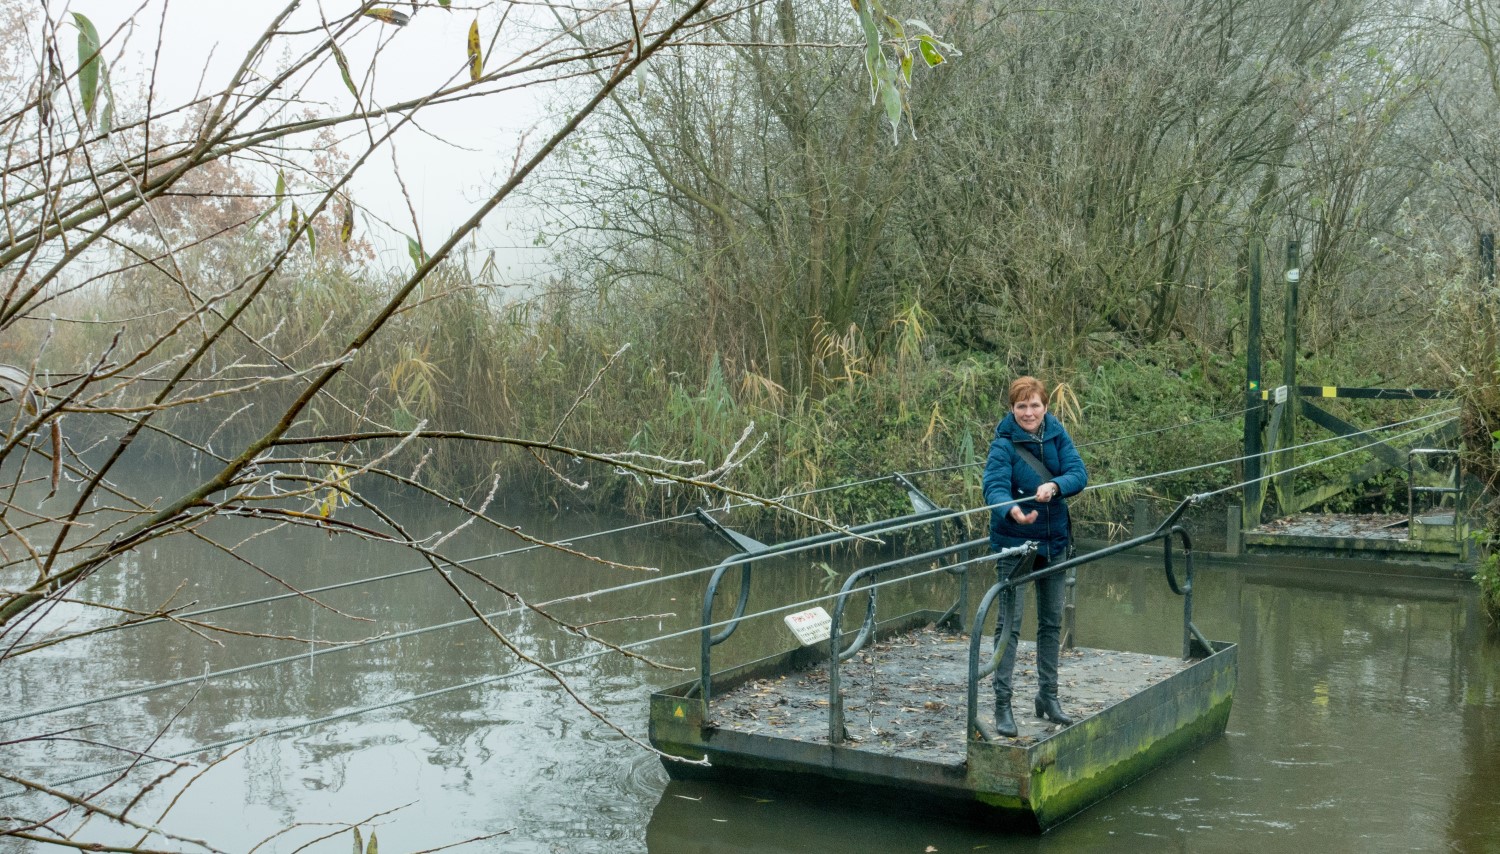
{"x": 810, "y": 626}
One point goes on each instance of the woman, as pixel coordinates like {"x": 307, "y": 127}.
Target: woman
{"x": 1029, "y": 495}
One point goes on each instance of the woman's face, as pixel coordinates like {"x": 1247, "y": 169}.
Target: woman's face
{"x": 1029, "y": 413}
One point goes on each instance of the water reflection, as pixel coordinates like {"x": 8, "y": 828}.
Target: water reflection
{"x": 1365, "y": 719}
{"x": 1367, "y": 713}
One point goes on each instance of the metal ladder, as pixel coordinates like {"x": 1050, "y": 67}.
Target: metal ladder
{"x": 1412, "y": 489}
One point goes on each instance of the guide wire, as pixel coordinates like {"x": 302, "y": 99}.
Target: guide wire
{"x": 217, "y": 609}
{"x": 214, "y": 675}
{"x": 299, "y": 594}
{"x": 266, "y": 600}
{"x": 1324, "y": 441}
{"x": 510, "y": 611}
{"x": 699, "y": 629}
{"x": 520, "y": 671}
{"x": 1345, "y": 452}
{"x": 971, "y": 464}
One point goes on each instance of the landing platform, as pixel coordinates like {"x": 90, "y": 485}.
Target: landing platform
{"x": 1392, "y": 536}
{"x": 906, "y": 718}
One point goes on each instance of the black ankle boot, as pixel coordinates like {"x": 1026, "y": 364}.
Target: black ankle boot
{"x": 1005, "y": 722}
{"x": 1047, "y": 708}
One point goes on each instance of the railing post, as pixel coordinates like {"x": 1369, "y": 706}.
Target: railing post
{"x": 1411, "y": 492}
{"x": 1287, "y": 481}
{"x": 1070, "y": 610}
{"x": 1187, "y": 602}
{"x": 709, "y": 639}
{"x": 963, "y": 592}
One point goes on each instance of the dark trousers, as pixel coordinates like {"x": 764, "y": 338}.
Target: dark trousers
{"x": 1049, "y": 610}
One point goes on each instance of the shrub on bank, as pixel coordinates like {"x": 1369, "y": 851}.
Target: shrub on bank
{"x": 1487, "y": 576}
{"x": 1159, "y": 422}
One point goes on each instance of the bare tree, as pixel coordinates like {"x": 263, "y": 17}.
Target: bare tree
{"x": 1086, "y": 176}
{"x": 221, "y": 215}
{"x": 752, "y": 184}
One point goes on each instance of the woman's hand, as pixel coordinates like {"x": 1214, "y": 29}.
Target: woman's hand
{"x": 1021, "y": 518}
{"x": 1046, "y": 492}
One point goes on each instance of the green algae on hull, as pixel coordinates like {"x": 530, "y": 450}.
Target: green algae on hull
{"x": 1029, "y": 784}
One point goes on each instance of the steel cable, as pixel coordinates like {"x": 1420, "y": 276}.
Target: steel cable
{"x": 216, "y": 609}
{"x": 696, "y": 629}
{"x": 476, "y": 683}
{"x": 298, "y": 594}
{"x": 203, "y": 678}
{"x": 1221, "y": 416}
{"x": 1346, "y": 452}
{"x": 515, "y": 609}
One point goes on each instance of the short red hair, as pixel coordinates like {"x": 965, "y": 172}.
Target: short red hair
{"x": 1024, "y": 387}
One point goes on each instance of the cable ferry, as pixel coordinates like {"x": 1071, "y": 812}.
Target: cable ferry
{"x": 890, "y": 712}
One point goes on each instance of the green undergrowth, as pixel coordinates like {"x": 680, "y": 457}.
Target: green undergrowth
{"x": 1487, "y": 577}
{"x": 1158, "y": 423}
{"x": 1133, "y": 419}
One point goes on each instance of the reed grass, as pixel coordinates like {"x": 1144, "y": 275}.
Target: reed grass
{"x": 885, "y": 397}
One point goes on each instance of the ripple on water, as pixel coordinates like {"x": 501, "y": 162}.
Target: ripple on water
{"x": 643, "y": 777}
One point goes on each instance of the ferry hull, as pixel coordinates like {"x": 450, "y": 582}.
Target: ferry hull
{"x": 1027, "y": 787}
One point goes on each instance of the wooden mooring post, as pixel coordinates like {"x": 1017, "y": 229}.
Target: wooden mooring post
{"x": 1286, "y": 480}
{"x": 1255, "y": 410}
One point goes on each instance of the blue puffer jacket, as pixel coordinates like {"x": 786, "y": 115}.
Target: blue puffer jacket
{"x": 1007, "y": 476}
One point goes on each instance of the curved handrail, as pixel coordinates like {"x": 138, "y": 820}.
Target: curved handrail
{"x": 751, "y": 552}
{"x": 1194, "y": 643}
{"x": 869, "y": 572}
{"x": 1002, "y": 632}
{"x": 838, "y": 653}
{"x": 1193, "y": 640}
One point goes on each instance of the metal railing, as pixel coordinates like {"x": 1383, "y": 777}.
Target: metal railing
{"x": 864, "y": 580}
{"x": 1412, "y": 490}
{"x": 753, "y": 552}
{"x": 956, "y": 560}
{"x": 1194, "y": 644}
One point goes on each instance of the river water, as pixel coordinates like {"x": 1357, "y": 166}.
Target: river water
{"x": 1367, "y": 714}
